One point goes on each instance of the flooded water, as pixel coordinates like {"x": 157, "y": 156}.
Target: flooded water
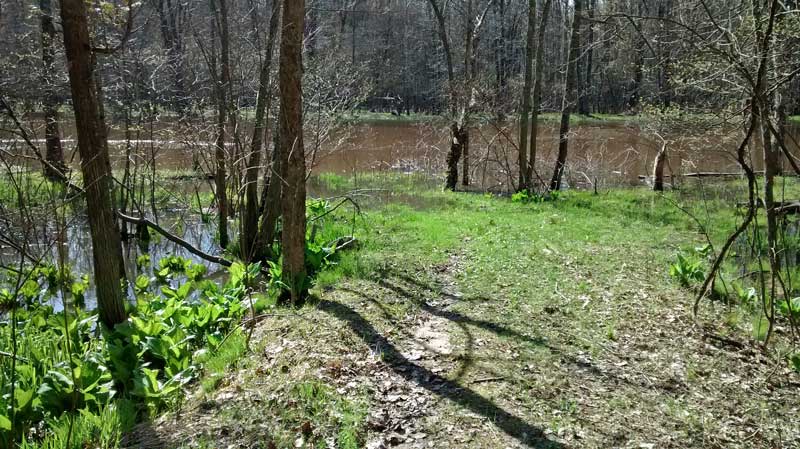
{"x": 605, "y": 153}
{"x": 602, "y": 154}
{"x": 74, "y": 250}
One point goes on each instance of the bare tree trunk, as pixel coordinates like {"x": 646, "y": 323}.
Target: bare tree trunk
{"x": 665, "y": 11}
{"x": 55, "y": 170}
{"x": 658, "y": 168}
{"x": 271, "y": 199}
{"x": 771, "y": 156}
{"x": 454, "y": 155}
{"x": 638, "y": 72}
{"x": 170, "y": 18}
{"x": 221, "y": 17}
{"x": 537, "y": 90}
{"x": 251, "y": 210}
{"x": 524, "y": 179}
{"x": 469, "y": 69}
{"x": 584, "y": 105}
{"x": 460, "y": 99}
{"x": 568, "y": 103}
{"x": 95, "y": 165}
{"x": 291, "y": 140}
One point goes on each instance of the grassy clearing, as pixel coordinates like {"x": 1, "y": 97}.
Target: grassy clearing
{"x": 467, "y": 320}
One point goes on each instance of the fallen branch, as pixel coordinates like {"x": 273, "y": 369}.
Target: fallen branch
{"x": 175, "y": 239}
{"x": 724, "y": 340}
{"x": 14, "y": 356}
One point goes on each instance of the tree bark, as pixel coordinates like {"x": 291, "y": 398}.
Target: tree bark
{"x": 537, "y": 90}
{"x": 584, "y": 104}
{"x": 271, "y": 199}
{"x": 250, "y": 251}
{"x": 568, "y": 103}
{"x": 454, "y": 155}
{"x": 524, "y": 114}
{"x": 638, "y": 72}
{"x": 664, "y": 12}
{"x": 169, "y": 14}
{"x": 658, "y": 168}
{"x": 54, "y": 154}
{"x": 223, "y": 81}
{"x": 460, "y": 99}
{"x": 95, "y": 165}
{"x": 291, "y": 139}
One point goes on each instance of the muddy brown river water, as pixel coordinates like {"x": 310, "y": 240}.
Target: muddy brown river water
{"x": 604, "y": 152}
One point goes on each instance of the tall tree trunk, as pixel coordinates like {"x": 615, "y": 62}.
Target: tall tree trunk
{"x": 502, "y": 63}
{"x": 664, "y": 12}
{"x": 95, "y": 165}
{"x": 291, "y": 137}
{"x": 537, "y": 90}
{"x": 658, "y": 168}
{"x": 568, "y": 103}
{"x": 251, "y": 210}
{"x": 638, "y": 72}
{"x": 469, "y": 71}
{"x": 223, "y": 81}
{"x": 271, "y": 199}
{"x": 454, "y": 155}
{"x": 55, "y": 168}
{"x": 170, "y": 18}
{"x": 763, "y": 106}
{"x": 586, "y": 93}
{"x": 524, "y": 113}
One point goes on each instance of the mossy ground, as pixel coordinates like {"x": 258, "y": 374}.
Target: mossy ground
{"x": 466, "y": 320}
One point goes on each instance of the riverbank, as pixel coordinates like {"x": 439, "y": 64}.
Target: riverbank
{"x": 467, "y": 320}
{"x": 369, "y": 117}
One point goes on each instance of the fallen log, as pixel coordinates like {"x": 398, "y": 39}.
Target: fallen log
{"x": 703, "y": 174}
{"x": 781, "y": 207}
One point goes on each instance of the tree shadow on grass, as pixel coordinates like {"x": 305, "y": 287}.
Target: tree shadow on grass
{"x": 455, "y": 317}
{"x": 582, "y": 364}
{"x": 512, "y": 425}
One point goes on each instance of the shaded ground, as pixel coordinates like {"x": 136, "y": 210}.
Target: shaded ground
{"x": 492, "y": 324}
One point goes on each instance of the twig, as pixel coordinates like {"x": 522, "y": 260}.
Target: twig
{"x": 175, "y": 239}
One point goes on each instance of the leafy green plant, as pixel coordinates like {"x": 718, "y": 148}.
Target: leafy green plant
{"x": 687, "y": 270}
{"x": 790, "y": 308}
{"x": 794, "y": 361}
{"x": 520, "y": 197}
{"x": 64, "y": 368}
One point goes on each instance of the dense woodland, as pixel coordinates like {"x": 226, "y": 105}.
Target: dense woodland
{"x": 584, "y": 232}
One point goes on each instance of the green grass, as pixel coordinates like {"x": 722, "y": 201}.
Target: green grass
{"x": 222, "y": 360}
{"x": 541, "y": 287}
{"x": 104, "y": 429}
{"x": 518, "y": 249}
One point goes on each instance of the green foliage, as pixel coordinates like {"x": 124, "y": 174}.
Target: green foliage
{"x": 687, "y": 270}
{"x": 794, "y": 361}
{"x": 216, "y": 362}
{"x": 64, "y": 369}
{"x": 85, "y": 429}
{"x": 317, "y": 403}
{"x": 324, "y": 233}
{"x": 525, "y": 197}
{"x": 790, "y": 308}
